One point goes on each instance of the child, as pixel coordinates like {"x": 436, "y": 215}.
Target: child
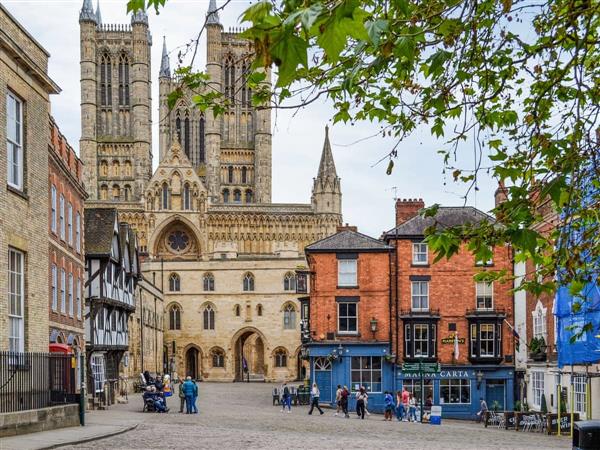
{"x": 389, "y": 406}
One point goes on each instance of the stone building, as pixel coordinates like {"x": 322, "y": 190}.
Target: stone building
{"x": 66, "y": 249}
{"x": 446, "y": 317}
{"x": 25, "y": 88}
{"x": 224, "y": 255}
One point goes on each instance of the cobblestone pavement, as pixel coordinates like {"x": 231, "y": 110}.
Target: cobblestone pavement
{"x": 241, "y": 416}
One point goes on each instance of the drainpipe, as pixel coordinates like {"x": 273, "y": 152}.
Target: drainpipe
{"x": 142, "y": 326}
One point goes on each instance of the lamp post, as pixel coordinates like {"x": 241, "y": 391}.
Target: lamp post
{"x": 373, "y": 326}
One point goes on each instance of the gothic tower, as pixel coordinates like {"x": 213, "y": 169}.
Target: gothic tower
{"x": 327, "y": 191}
{"x": 231, "y": 152}
{"x": 115, "y": 144}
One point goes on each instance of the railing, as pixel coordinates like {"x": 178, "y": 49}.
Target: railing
{"x": 36, "y": 380}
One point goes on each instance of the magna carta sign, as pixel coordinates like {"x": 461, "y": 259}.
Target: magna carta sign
{"x": 450, "y": 340}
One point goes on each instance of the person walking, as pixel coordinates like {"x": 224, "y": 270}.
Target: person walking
{"x": 188, "y": 392}
{"x": 194, "y": 407}
{"x": 388, "y": 401}
{"x": 344, "y": 401}
{"x": 361, "y": 398}
{"x": 399, "y": 406}
{"x": 286, "y": 398}
{"x": 483, "y": 408}
{"x": 405, "y": 399}
{"x": 315, "y": 394}
{"x": 338, "y": 399}
{"x": 412, "y": 409}
{"x": 181, "y": 396}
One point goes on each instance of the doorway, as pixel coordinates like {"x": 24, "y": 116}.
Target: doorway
{"x": 249, "y": 356}
{"x": 494, "y": 392}
{"x": 191, "y": 363}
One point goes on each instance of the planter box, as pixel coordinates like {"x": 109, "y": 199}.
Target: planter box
{"x": 539, "y": 357}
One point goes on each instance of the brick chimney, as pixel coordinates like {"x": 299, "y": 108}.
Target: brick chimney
{"x": 501, "y": 194}
{"x": 408, "y": 208}
{"x": 346, "y": 227}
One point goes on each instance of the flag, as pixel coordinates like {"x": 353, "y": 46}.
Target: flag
{"x": 456, "y": 345}
{"x": 515, "y": 334}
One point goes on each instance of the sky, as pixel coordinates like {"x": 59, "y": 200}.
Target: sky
{"x": 368, "y": 193}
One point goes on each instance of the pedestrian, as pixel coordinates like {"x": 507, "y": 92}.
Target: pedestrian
{"x": 181, "y": 396}
{"x": 338, "y": 399}
{"x": 388, "y": 401}
{"x": 405, "y": 399}
{"x": 314, "y": 393}
{"x": 412, "y": 409}
{"x": 188, "y": 392}
{"x": 194, "y": 407}
{"x": 361, "y": 398}
{"x": 286, "y": 398}
{"x": 399, "y": 406}
{"x": 344, "y": 400}
{"x": 483, "y": 408}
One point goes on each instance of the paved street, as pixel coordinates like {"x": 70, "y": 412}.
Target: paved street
{"x": 240, "y": 416}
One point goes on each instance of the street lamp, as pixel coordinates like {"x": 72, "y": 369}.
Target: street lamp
{"x": 373, "y": 326}
{"x": 479, "y": 378}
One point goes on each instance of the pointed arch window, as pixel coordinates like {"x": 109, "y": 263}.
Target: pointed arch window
{"x": 103, "y": 168}
{"x": 116, "y": 192}
{"x": 226, "y": 196}
{"x": 127, "y": 192}
{"x": 104, "y": 192}
{"x": 209, "y": 318}
{"x": 208, "y": 282}
{"x": 237, "y": 310}
{"x": 289, "y": 282}
{"x": 187, "y": 201}
{"x": 123, "y": 81}
{"x": 289, "y": 317}
{"x": 178, "y": 127}
{"x": 259, "y": 310}
{"x": 237, "y": 196}
{"x": 174, "y": 318}
{"x": 230, "y": 78}
{"x": 165, "y": 196}
{"x": 244, "y": 175}
{"x": 174, "y": 283}
{"x": 218, "y": 358}
{"x": 201, "y": 147}
{"x": 248, "y": 196}
{"x": 230, "y": 174}
{"x": 127, "y": 168}
{"x": 105, "y": 81}
{"x": 281, "y": 358}
{"x": 186, "y": 136}
{"x": 248, "y": 282}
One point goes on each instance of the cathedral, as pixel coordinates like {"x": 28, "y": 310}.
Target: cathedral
{"x": 223, "y": 254}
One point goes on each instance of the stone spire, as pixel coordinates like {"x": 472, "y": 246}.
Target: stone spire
{"x": 98, "y": 14}
{"x": 165, "y": 69}
{"x": 139, "y": 16}
{"x": 212, "y": 14}
{"x": 327, "y": 165}
{"x": 87, "y": 11}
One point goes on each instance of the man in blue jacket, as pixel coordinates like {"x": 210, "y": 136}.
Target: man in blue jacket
{"x": 189, "y": 388}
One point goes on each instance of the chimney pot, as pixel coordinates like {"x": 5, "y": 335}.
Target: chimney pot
{"x": 407, "y": 209}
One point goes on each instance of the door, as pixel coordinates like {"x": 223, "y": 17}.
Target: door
{"x": 494, "y": 392}
{"x": 323, "y": 378}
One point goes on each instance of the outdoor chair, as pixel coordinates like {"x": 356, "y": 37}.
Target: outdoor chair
{"x": 276, "y": 398}
{"x": 501, "y": 420}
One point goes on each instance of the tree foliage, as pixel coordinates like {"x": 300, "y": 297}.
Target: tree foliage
{"x": 518, "y": 79}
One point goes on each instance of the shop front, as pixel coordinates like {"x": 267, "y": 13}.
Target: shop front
{"x": 352, "y": 365}
{"x": 457, "y": 389}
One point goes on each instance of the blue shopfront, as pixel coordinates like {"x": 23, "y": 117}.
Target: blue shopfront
{"x": 352, "y": 365}
{"x": 457, "y": 389}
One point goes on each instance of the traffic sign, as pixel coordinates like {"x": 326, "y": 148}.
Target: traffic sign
{"x": 421, "y": 367}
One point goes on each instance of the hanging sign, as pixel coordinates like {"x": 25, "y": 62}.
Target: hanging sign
{"x": 450, "y": 340}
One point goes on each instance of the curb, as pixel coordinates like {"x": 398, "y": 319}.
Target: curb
{"x": 91, "y": 439}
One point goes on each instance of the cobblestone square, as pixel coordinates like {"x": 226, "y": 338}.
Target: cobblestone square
{"x": 241, "y": 416}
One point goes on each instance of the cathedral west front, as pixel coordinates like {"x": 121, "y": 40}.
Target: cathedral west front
{"x": 223, "y": 254}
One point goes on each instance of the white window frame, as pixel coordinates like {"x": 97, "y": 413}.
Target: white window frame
{"x": 348, "y": 272}
{"x": 487, "y": 327}
{"x": 54, "y": 293}
{"x": 289, "y": 317}
{"x": 420, "y": 296}
{"x": 347, "y": 317}
{"x": 78, "y": 232}
{"x": 453, "y": 384}
{"x": 485, "y": 292}
{"x": 70, "y": 223}
{"x": 539, "y": 317}
{"x": 98, "y": 374}
{"x": 54, "y": 212}
{"x": 71, "y": 306}
{"x": 579, "y": 388}
{"x": 78, "y": 293}
{"x": 420, "y": 253}
{"x": 14, "y": 146}
{"x": 371, "y": 386}
{"x": 16, "y": 300}
{"x": 63, "y": 291}
{"x": 537, "y": 388}
{"x": 62, "y": 216}
{"x": 421, "y": 340}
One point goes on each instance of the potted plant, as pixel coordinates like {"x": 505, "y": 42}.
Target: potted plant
{"x": 517, "y": 405}
{"x": 537, "y": 349}
{"x": 495, "y": 406}
{"x": 544, "y": 406}
{"x": 389, "y": 358}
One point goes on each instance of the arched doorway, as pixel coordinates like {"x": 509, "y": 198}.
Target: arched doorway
{"x": 249, "y": 355}
{"x": 192, "y": 363}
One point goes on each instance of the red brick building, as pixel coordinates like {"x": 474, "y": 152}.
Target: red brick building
{"x": 66, "y": 269}
{"x": 445, "y": 316}
{"x": 350, "y": 314}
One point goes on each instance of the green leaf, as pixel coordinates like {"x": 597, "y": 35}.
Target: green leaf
{"x": 288, "y": 53}
{"x": 375, "y": 29}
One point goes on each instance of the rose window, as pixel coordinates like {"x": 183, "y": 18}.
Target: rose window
{"x": 178, "y": 240}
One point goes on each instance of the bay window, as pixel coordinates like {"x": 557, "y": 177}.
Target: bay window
{"x": 420, "y": 340}
{"x": 485, "y": 341}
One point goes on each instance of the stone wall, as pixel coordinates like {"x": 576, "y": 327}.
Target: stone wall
{"x": 34, "y": 420}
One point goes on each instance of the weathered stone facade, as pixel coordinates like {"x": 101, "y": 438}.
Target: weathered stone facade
{"x": 207, "y": 211}
{"x": 24, "y": 201}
